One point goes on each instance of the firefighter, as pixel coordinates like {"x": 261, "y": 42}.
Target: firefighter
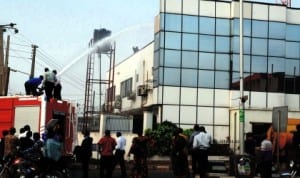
{"x": 32, "y": 84}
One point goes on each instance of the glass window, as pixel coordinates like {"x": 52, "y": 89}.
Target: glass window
{"x": 236, "y": 27}
{"x": 276, "y": 65}
{"x": 223, "y": 27}
{"x": 206, "y": 79}
{"x": 292, "y": 32}
{"x": 222, "y": 44}
{"x": 155, "y": 78}
{"x": 236, "y": 63}
{"x": 162, "y": 40}
{"x": 190, "y": 24}
{"x": 207, "y": 25}
{"x": 235, "y": 44}
{"x": 162, "y": 20}
{"x": 173, "y": 22}
{"x": 259, "y": 64}
{"x": 247, "y": 45}
{"x": 277, "y": 30}
{"x": 173, "y": 40}
{"x": 171, "y": 76}
{"x": 207, "y": 43}
{"x": 292, "y": 49}
{"x": 276, "y": 48}
{"x": 190, "y": 41}
{"x": 247, "y": 27}
{"x": 156, "y": 58}
{"x": 126, "y": 88}
{"x": 259, "y": 29}
{"x": 222, "y": 79}
{"x": 189, "y": 59}
{"x": 172, "y": 58}
{"x": 156, "y": 41}
{"x": 222, "y": 62}
{"x": 206, "y": 60}
{"x": 189, "y": 78}
{"x": 259, "y": 46}
{"x": 292, "y": 67}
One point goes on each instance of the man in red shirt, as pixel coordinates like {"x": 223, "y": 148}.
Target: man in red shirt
{"x": 107, "y": 145}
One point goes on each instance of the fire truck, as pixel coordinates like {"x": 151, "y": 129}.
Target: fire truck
{"x": 18, "y": 111}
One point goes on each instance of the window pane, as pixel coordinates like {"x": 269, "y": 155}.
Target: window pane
{"x": 222, "y": 80}
{"x": 173, "y": 40}
{"x": 156, "y": 59}
{"x": 206, "y": 61}
{"x": 292, "y": 32}
{"x": 162, "y": 40}
{"x": 189, "y": 59}
{"x": 207, "y": 43}
{"x": 236, "y": 27}
{"x": 259, "y": 46}
{"x": 236, "y": 63}
{"x": 190, "y": 41}
{"x": 206, "y": 79}
{"x": 277, "y": 30}
{"x": 259, "y": 29}
{"x": 236, "y": 45}
{"x": 172, "y": 58}
{"x": 223, "y": 27}
{"x": 222, "y": 62}
{"x": 259, "y": 64}
{"x": 222, "y": 44}
{"x": 292, "y": 67}
{"x": 173, "y": 22}
{"x": 276, "y": 65}
{"x": 276, "y": 48}
{"x": 292, "y": 49}
{"x": 190, "y": 24}
{"x": 207, "y": 25}
{"x": 172, "y": 76}
{"x": 156, "y": 41}
{"x": 189, "y": 78}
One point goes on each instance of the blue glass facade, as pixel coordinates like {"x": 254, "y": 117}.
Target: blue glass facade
{"x": 203, "y": 52}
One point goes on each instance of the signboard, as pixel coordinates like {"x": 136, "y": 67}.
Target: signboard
{"x": 279, "y": 118}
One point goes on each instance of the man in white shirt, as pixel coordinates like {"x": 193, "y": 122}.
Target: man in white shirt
{"x": 201, "y": 145}
{"x": 120, "y": 152}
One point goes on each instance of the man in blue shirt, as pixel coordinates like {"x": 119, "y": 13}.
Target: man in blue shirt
{"x": 32, "y": 84}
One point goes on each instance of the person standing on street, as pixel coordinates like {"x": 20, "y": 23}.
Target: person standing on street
{"x": 120, "y": 152}
{"x": 86, "y": 151}
{"x": 192, "y": 151}
{"x": 107, "y": 145}
{"x": 179, "y": 155}
{"x": 201, "y": 144}
{"x": 265, "y": 164}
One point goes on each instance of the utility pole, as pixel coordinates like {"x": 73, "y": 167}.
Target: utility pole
{"x": 33, "y": 60}
{"x": 242, "y": 110}
{"x": 4, "y": 70}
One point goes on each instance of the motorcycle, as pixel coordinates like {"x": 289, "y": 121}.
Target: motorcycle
{"x": 292, "y": 172}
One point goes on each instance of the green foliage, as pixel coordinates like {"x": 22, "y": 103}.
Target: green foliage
{"x": 162, "y": 138}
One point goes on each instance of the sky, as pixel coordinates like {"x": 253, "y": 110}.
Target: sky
{"x": 62, "y": 30}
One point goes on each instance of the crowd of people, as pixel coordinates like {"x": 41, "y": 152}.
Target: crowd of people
{"x": 269, "y": 151}
{"x": 49, "y": 82}
{"x": 49, "y": 147}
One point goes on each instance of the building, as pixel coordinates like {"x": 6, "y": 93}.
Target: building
{"x": 190, "y": 72}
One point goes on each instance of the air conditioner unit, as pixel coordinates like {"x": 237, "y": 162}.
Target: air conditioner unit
{"x": 142, "y": 90}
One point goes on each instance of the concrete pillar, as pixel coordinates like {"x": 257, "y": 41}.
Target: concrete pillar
{"x": 148, "y": 120}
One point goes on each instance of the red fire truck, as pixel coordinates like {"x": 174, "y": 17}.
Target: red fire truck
{"x": 18, "y": 111}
